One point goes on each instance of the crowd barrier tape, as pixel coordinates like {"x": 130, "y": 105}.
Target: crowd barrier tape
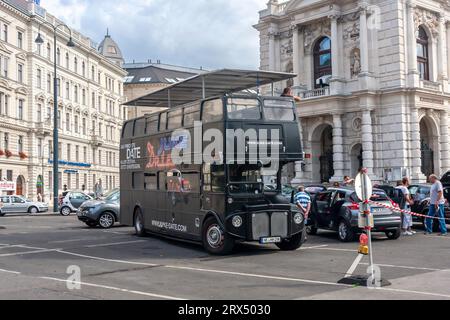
{"x": 397, "y": 209}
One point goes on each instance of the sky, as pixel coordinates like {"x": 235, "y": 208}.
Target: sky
{"x": 208, "y": 33}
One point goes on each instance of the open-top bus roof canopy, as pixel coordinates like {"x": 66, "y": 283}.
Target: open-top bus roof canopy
{"x": 206, "y": 85}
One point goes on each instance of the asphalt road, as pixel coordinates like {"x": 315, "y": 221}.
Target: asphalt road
{"x": 36, "y": 252}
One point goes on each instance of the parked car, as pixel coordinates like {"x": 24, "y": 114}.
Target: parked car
{"x": 337, "y": 209}
{"x": 421, "y": 196}
{"x": 103, "y": 213}
{"x": 18, "y": 204}
{"x": 70, "y": 201}
{"x": 290, "y": 191}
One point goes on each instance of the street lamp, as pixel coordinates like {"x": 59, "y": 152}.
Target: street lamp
{"x": 70, "y": 44}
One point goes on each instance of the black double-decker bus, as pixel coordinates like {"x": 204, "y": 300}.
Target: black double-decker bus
{"x": 197, "y": 172}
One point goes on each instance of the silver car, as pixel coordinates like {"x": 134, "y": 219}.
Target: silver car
{"x": 18, "y": 204}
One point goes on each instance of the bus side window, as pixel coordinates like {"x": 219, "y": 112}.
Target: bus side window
{"x": 191, "y": 114}
{"x": 127, "y": 131}
{"x": 151, "y": 125}
{"x": 162, "y": 185}
{"x": 212, "y": 110}
{"x": 163, "y": 121}
{"x": 190, "y": 182}
{"x": 139, "y": 127}
{"x": 175, "y": 119}
{"x": 150, "y": 181}
{"x": 137, "y": 182}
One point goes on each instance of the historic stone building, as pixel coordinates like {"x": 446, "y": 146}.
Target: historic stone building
{"x": 90, "y": 91}
{"x": 373, "y": 76}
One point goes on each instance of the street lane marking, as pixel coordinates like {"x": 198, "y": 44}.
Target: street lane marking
{"x": 408, "y": 267}
{"x": 147, "y": 294}
{"x": 353, "y": 267}
{"x": 333, "y": 249}
{"x": 12, "y": 246}
{"x": 73, "y": 240}
{"x": 113, "y": 244}
{"x": 415, "y": 292}
{"x": 9, "y": 271}
{"x": 28, "y": 252}
{"x": 315, "y": 247}
{"x": 108, "y": 260}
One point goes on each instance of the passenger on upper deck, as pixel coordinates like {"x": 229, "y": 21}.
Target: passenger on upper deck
{"x": 287, "y": 92}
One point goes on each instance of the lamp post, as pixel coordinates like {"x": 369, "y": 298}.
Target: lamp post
{"x": 70, "y": 44}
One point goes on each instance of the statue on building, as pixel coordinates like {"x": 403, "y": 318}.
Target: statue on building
{"x": 355, "y": 62}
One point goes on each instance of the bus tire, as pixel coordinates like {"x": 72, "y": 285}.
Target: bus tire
{"x": 139, "y": 225}
{"x": 292, "y": 244}
{"x": 215, "y": 240}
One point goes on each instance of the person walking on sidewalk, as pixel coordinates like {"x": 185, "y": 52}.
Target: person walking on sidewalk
{"x": 437, "y": 202}
{"x": 407, "y": 221}
{"x": 303, "y": 201}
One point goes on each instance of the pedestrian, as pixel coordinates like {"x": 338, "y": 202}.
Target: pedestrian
{"x": 336, "y": 184}
{"x": 437, "y": 202}
{"x": 39, "y": 197}
{"x": 348, "y": 181}
{"x": 287, "y": 92}
{"x": 407, "y": 221}
{"x": 303, "y": 202}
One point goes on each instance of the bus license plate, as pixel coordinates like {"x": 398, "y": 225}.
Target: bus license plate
{"x": 270, "y": 240}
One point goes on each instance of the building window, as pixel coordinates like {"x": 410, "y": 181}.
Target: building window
{"x": 67, "y": 60}
{"x": 39, "y": 146}
{"x": 6, "y": 105}
{"x": 39, "y": 78}
{"x": 75, "y": 92}
{"x": 93, "y": 100}
{"x": 83, "y": 97}
{"x": 58, "y": 56}
{"x": 69, "y": 152}
{"x": 59, "y": 120}
{"x": 5, "y": 67}
{"x": 39, "y": 112}
{"x": 76, "y": 124}
{"x": 83, "y": 69}
{"x": 20, "y": 109}
{"x": 75, "y": 65}
{"x": 20, "y": 39}
{"x": 85, "y": 154}
{"x": 6, "y": 141}
{"x": 83, "y": 125}
{"x": 93, "y": 73}
{"x": 423, "y": 62}
{"x": 20, "y": 144}
{"x": 49, "y": 83}
{"x": 77, "y": 153}
{"x": 49, "y": 52}
{"x": 5, "y": 32}
{"x": 67, "y": 121}
{"x": 58, "y": 87}
{"x": 67, "y": 90}
{"x": 322, "y": 62}
{"x": 20, "y": 73}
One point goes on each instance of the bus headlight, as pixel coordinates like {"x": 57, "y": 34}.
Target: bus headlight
{"x": 230, "y": 200}
{"x": 298, "y": 218}
{"x": 237, "y": 221}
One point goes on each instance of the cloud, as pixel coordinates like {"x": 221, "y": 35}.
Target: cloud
{"x": 208, "y": 33}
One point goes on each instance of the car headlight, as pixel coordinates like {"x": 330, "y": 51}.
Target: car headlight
{"x": 298, "y": 218}
{"x": 237, "y": 221}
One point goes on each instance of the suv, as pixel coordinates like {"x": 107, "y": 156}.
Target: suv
{"x": 338, "y": 209}
{"x": 70, "y": 201}
{"x": 17, "y": 204}
{"x": 101, "y": 212}
{"x": 421, "y": 196}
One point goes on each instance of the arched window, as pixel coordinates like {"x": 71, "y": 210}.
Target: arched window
{"x": 322, "y": 62}
{"x": 423, "y": 62}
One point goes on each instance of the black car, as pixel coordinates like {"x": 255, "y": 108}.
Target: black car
{"x": 420, "y": 193}
{"x": 338, "y": 209}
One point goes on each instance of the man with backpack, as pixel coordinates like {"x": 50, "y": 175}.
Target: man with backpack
{"x": 405, "y": 204}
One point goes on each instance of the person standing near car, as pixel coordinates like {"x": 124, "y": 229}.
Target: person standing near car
{"x": 303, "y": 201}
{"x": 437, "y": 202}
{"x": 407, "y": 221}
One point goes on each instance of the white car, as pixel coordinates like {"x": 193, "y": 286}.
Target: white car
{"x": 71, "y": 201}
{"x": 18, "y": 204}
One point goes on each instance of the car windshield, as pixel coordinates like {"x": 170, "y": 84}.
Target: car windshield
{"x": 245, "y": 179}
{"x": 113, "y": 197}
{"x": 379, "y": 196}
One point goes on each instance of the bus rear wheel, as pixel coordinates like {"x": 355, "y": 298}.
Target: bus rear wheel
{"x": 292, "y": 244}
{"x": 215, "y": 240}
{"x": 139, "y": 225}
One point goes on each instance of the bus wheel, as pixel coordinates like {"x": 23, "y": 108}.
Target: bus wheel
{"x": 139, "y": 223}
{"x": 215, "y": 239}
{"x": 293, "y": 243}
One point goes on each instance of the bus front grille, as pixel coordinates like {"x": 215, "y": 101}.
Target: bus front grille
{"x": 266, "y": 224}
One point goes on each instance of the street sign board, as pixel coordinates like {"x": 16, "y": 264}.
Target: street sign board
{"x": 363, "y": 187}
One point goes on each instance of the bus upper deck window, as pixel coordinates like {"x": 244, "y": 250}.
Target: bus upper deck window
{"x": 212, "y": 110}
{"x": 163, "y": 121}
{"x": 139, "y": 127}
{"x": 174, "y": 119}
{"x": 152, "y": 125}
{"x": 191, "y": 114}
{"x": 280, "y": 110}
{"x": 127, "y": 131}
{"x": 248, "y": 109}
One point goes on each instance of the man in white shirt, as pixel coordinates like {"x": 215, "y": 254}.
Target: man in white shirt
{"x": 437, "y": 202}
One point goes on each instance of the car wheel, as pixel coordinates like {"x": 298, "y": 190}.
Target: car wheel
{"x": 345, "y": 232}
{"x": 311, "y": 230}
{"x": 91, "y": 224}
{"x": 293, "y": 243}
{"x": 394, "y": 234}
{"x": 215, "y": 240}
{"x": 33, "y": 210}
{"x": 139, "y": 225}
{"x": 65, "y": 211}
{"x": 2, "y": 214}
{"x": 106, "y": 220}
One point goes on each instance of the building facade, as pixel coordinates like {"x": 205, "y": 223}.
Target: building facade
{"x": 373, "y": 76}
{"x": 90, "y": 94}
{"x": 148, "y": 77}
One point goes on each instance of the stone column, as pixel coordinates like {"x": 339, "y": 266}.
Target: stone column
{"x": 295, "y": 54}
{"x": 447, "y": 29}
{"x": 338, "y": 148}
{"x": 442, "y": 53}
{"x": 444, "y": 141}
{"x": 364, "y": 43}
{"x": 367, "y": 141}
{"x": 412, "y": 46}
{"x": 271, "y": 49}
{"x": 335, "y": 47}
{"x": 416, "y": 153}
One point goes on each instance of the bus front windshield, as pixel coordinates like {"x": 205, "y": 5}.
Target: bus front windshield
{"x": 279, "y": 110}
{"x": 243, "y": 109}
{"x": 247, "y": 179}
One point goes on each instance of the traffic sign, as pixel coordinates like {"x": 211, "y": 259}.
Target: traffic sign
{"x": 363, "y": 187}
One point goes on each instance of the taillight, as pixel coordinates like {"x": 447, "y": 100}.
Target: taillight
{"x": 354, "y": 206}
